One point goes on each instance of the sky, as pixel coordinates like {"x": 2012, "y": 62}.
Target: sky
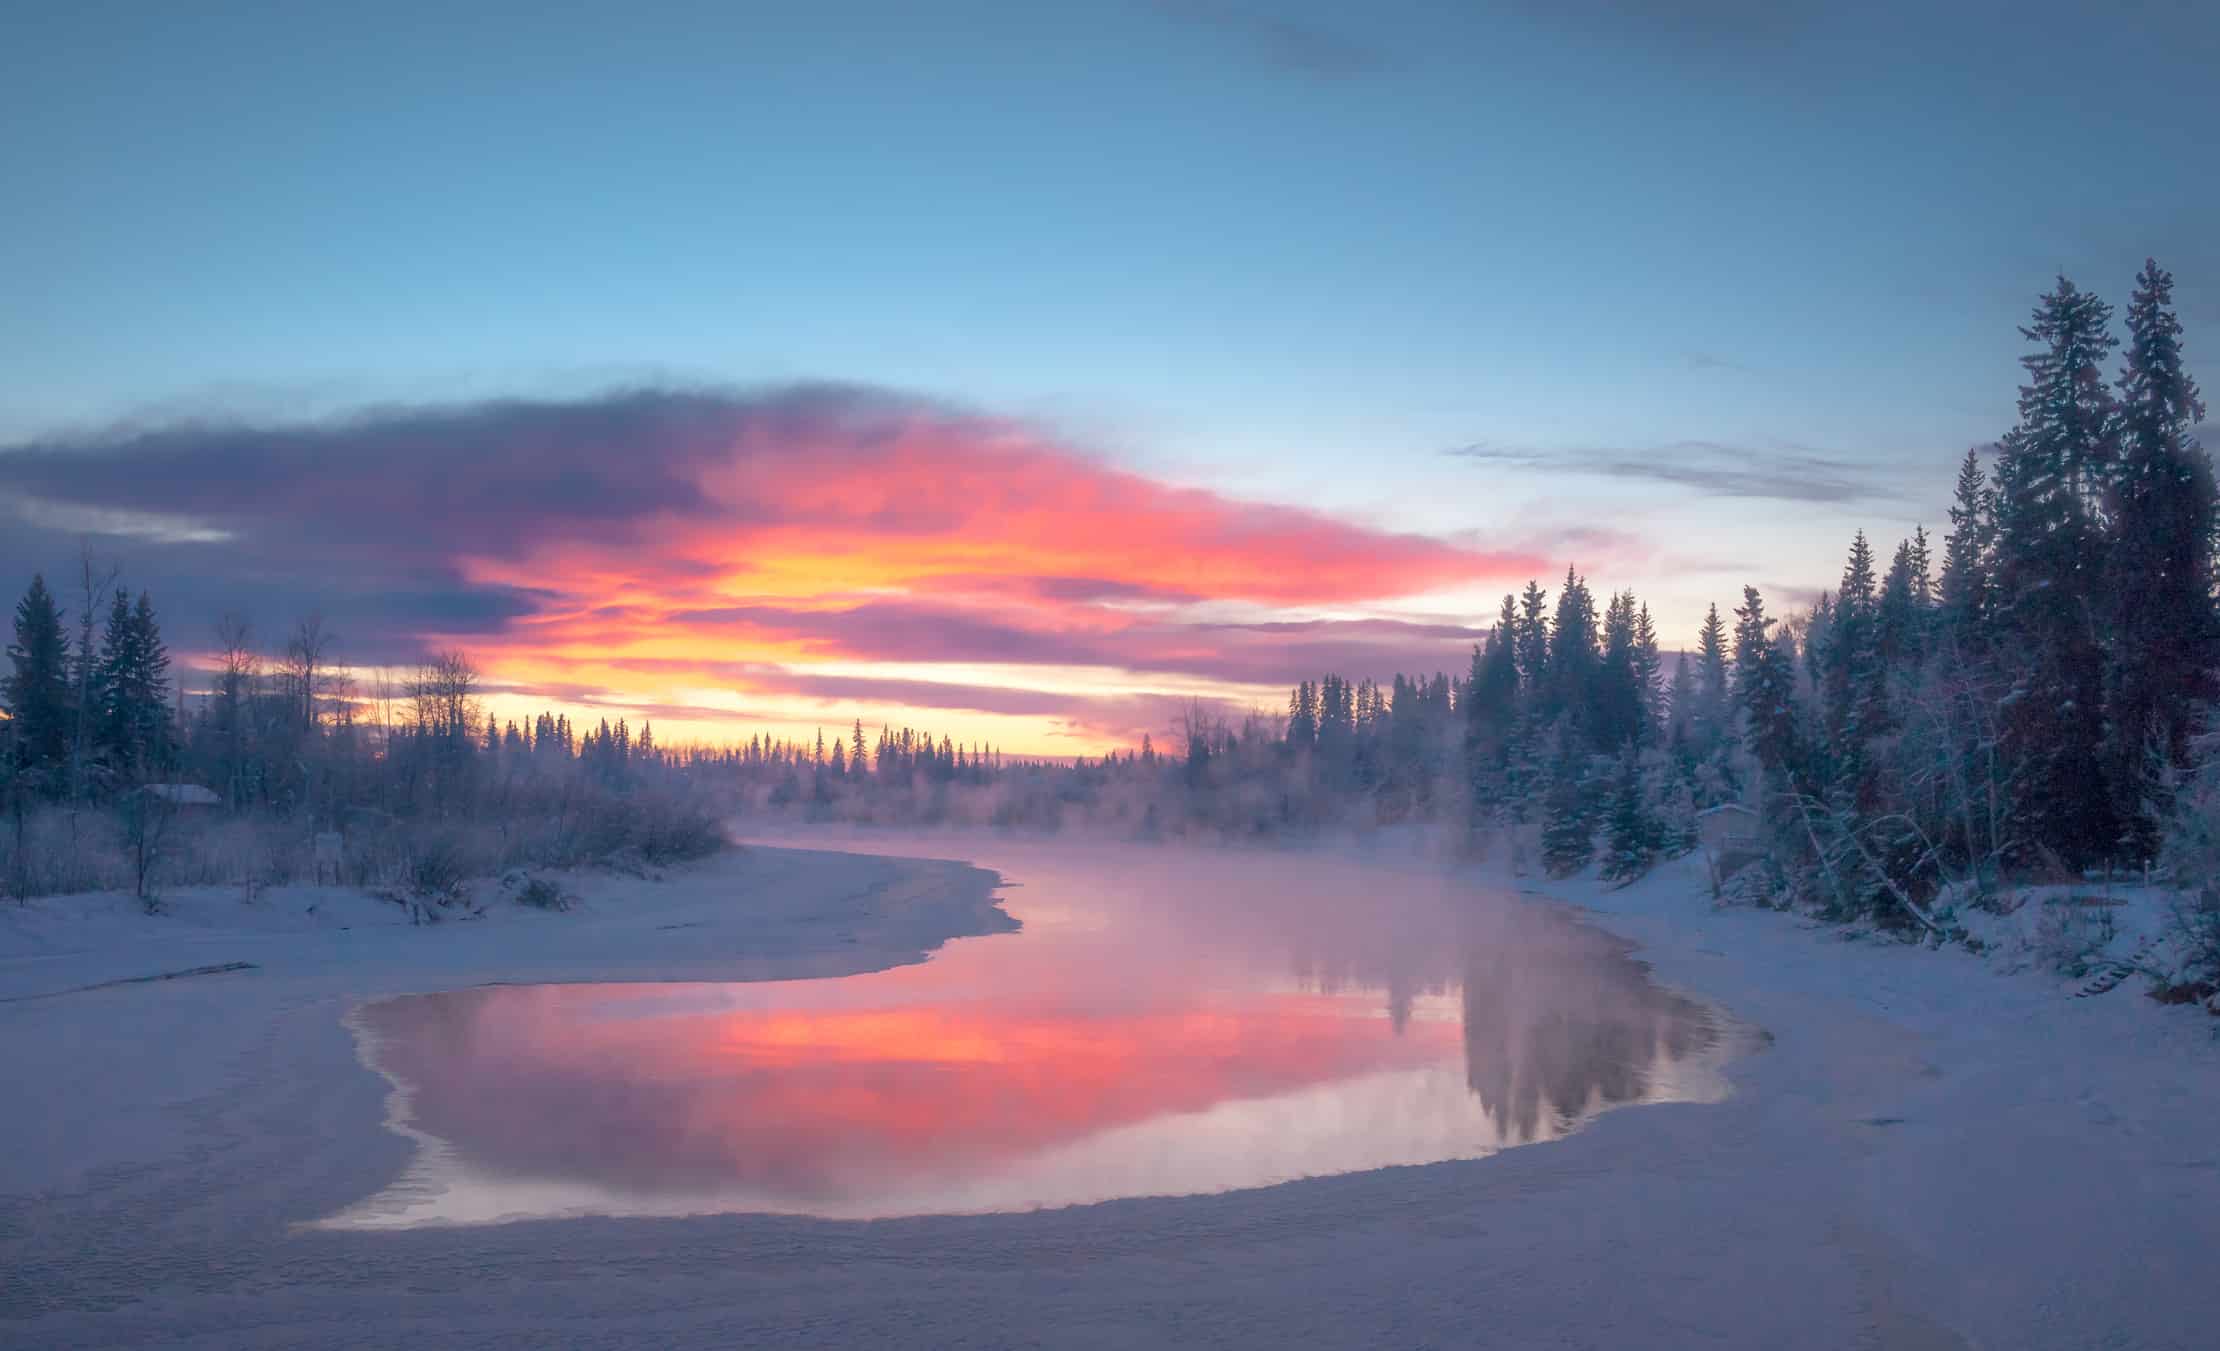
{"x": 1021, "y": 371}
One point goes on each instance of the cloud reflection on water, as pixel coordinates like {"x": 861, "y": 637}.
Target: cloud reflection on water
{"x": 1182, "y": 1029}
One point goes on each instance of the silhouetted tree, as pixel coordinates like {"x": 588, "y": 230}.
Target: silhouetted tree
{"x": 37, "y": 689}
{"x": 2164, "y": 516}
{"x": 2051, "y": 571}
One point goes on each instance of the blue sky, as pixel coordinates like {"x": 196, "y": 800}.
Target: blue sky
{"x": 1290, "y": 252}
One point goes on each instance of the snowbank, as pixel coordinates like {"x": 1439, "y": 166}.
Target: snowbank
{"x": 105, "y": 1050}
{"x": 1929, "y": 1154}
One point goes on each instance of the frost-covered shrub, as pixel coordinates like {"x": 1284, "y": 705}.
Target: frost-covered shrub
{"x": 2190, "y": 852}
{"x": 232, "y": 850}
{"x": 542, "y": 894}
{"x": 2068, "y": 934}
{"x": 438, "y": 866}
{"x": 59, "y": 851}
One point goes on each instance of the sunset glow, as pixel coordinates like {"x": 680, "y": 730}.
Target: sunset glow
{"x": 726, "y": 566}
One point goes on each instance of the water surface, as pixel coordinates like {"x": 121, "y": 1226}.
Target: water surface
{"x": 1166, "y": 1023}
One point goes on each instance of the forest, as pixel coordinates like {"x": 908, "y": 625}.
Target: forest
{"x": 2031, "y": 703}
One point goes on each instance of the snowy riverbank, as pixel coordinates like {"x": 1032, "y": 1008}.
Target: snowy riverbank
{"x": 1930, "y": 1154}
{"x": 112, "y": 1060}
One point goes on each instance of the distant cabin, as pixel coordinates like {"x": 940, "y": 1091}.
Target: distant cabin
{"x": 1729, "y": 833}
{"x": 181, "y": 795}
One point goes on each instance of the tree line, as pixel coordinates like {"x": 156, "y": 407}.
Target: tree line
{"x": 2025, "y": 701}
{"x": 2029, "y": 702}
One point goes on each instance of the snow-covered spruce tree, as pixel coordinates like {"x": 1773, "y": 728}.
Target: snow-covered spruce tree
{"x": 1674, "y": 812}
{"x": 1900, "y": 620}
{"x": 1525, "y": 768}
{"x": 1765, "y": 691}
{"x": 1491, "y": 713}
{"x": 1680, "y": 706}
{"x": 1631, "y": 834}
{"x": 2051, "y": 572}
{"x": 1532, "y": 645}
{"x": 1855, "y": 691}
{"x": 2164, "y": 514}
{"x": 1568, "y": 823}
{"x": 1965, "y": 593}
{"x": 1649, "y": 671}
{"x": 1573, "y": 656}
{"x": 1615, "y": 696}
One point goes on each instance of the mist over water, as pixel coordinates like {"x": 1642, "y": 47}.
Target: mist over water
{"x": 1167, "y": 1022}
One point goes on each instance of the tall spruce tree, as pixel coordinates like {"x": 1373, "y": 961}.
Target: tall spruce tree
{"x": 1573, "y": 655}
{"x": 1967, "y": 588}
{"x": 1681, "y": 710}
{"x": 37, "y": 688}
{"x": 1533, "y": 637}
{"x": 2051, "y": 571}
{"x": 1765, "y": 690}
{"x": 2165, "y": 512}
{"x": 132, "y": 727}
{"x": 1302, "y": 717}
{"x": 1649, "y": 672}
{"x": 1849, "y": 654}
{"x": 1568, "y": 825}
{"x": 1631, "y": 832}
{"x": 1900, "y": 620}
{"x": 1491, "y": 708}
{"x": 1615, "y": 701}
{"x": 1714, "y": 720}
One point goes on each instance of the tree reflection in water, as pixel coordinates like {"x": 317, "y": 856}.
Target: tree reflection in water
{"x": 1136, "y": 1044}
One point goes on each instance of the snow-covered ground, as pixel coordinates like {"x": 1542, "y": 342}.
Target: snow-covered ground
{"x": 1929, "y": 1154}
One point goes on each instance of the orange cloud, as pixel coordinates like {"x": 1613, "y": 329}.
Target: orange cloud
{"x": 632, "y": 552}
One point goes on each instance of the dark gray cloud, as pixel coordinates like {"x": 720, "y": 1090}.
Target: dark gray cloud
{"x": 1706, "y": 467}
{"x": 365, "y": 518}
{"x": 571, "y": 528}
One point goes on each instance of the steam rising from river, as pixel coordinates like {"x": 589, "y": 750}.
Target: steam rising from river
{"x": 1167, "y": 1022}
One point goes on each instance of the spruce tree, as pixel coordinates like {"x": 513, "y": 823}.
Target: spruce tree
{"x": 1573, "y": 655}
{"x": 132, "y": 682}
{"x": 1533, "y": 640}
{"x": 1614, "y": 701}
{"x": 1568, "y": 830}
{"x": 1649, "y": 670}
{"x": 1819, "y": 632}
{"x": 1630, "y": 833}
{"x": 112, "y": 716}
{"x": 1850, "y": 656}
{"x": 1899, "y": 620}
{"x": 1680, "y": 703}
{"x": 1491, "y": 708}
{"x": 1713, "y": 720}
{"x": 2164, "y": 514}
{"x": 1967, "y": 585}
{"x": 1302, "y": 717}
{"x": 36, "y": 690}
{"x": 1337, "y": 730}
{"x": 2051, "y": 571}
{"x": 1765, "y": 690}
